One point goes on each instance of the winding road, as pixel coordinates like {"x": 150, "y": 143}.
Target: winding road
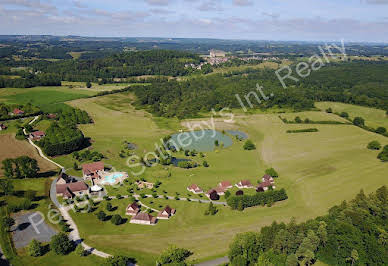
{"x": 74, "y": 234}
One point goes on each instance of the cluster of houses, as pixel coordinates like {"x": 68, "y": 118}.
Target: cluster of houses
{"x": 139, "y": 217}
{"x": 222, "y": 187}
{"x": 69, "y": 188}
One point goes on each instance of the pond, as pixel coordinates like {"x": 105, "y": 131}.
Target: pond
{"x": 239, "y": 134}
{"x": 200, "y": 140}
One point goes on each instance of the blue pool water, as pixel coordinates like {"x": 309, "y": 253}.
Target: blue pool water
{"x": 112, "y": 178}
{"x": 201, "y": 140}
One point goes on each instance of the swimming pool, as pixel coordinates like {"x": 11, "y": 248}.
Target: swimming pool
{"x": 112, "y": 178}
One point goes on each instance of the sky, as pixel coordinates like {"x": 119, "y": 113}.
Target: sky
{"x": 303, "y": 20}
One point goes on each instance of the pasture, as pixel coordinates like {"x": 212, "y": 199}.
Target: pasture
{"x": 318, "y": 170}
{"x": 373, "y": 117}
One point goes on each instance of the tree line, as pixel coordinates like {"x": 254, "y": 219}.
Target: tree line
{"x": 260, "y": 198}
{"x": 366, "y": 85}
{"x": 353, "y": 232}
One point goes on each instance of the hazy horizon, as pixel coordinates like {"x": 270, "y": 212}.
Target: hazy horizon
{"x": 276, "y": 20}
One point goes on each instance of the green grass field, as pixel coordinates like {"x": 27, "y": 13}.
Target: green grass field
{"x": 373, "y": 117}
{"x": 317, "y": 170}
{"x": 42, "y": 96}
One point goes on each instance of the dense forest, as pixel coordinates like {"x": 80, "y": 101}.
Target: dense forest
{"x": 117, "y": 65}
{"x": 63, "y": 136}
{"x": 354, "y": 232}
{"x": 362, "y": 83}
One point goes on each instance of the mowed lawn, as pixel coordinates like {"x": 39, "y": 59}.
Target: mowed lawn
{"x": 373, "y": 117}
{"x": 317, "y": 170}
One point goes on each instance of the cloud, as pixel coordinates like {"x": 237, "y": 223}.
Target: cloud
{"x": 36, "y": 4}
{"x": 79, "y": 4}
{"x": 270, "y": 15}
{"x": 243, "y": 2}
{"x": 210, "y": 5}
{"x": 157, "y": 2}
{"x": 160, "y": 11}
{"x": 377, "y": 2}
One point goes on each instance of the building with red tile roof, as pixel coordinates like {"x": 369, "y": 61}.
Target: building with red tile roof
{"x": 244, "y": 184}
{"x": 166, "y": 213}
{"x": 195, "y": 189}
{"x": 132, "y": 209}
{"x": 17, "y": 111}
{"x": 225, "y": 184}
{"x": 37, "y": 135}
{"x": 143, "y": 218}
{"x": 91, "y": 170}
{"x": 71, "y": 190}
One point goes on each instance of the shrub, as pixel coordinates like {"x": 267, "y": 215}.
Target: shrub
{"x": 80, "y": 251}
{"x": 173, "y": 256}
{"x": 298, "y": 120}
{"x": 248, "y": 145}
{"x": 205, "y": 164}
{"x": 344, "y": 115}
{"x": 329, "y": 110}
{"x": 101, "y": 216}
{"x": 383, "y": 156}
{"x": 187, "y": 164}
{"x": 272, "y": 172}
{"x": 359, "y": 121}
{"x": 116, "y": 219}
{"x": 118, "y": 261}
{"x": 35, "y": 249}
{"x": 302, "y": 130}
{"x": 61, "y": 244}
{"x": 212, "y": 210}
{"x": 381, "y": 130}
{"x": 374, "y": 145}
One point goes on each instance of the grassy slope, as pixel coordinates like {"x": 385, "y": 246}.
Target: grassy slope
{"x": 317, "y": 169}
{"x": 373, "y": 117}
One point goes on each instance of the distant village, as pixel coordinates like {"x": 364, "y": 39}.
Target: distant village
{"x": 217, "y": 57}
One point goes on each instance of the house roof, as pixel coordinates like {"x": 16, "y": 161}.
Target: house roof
{"x": 65, "y": 177}
{"x": 245, "y": 183}
{"x": 51, "y": 115}
{"x": 225, "y": 184}
{"x": 194, "y": 187}
{"x": 220, "y": 189}
{"x": 143, "y": 216}
{"x": 37, "y": 134}
{"x": 168, "y": 210}
{"x": 265, "y": 184}
{"x": 133, "y": 206}
{"x": 73, "y": 187}
{"x": 90, "y": 168}
{"x": 267, "y": 177}
{"x": 18, "y": 111}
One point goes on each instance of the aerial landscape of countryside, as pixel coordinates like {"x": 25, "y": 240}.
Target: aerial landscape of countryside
{"x": 215, "y": 139}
